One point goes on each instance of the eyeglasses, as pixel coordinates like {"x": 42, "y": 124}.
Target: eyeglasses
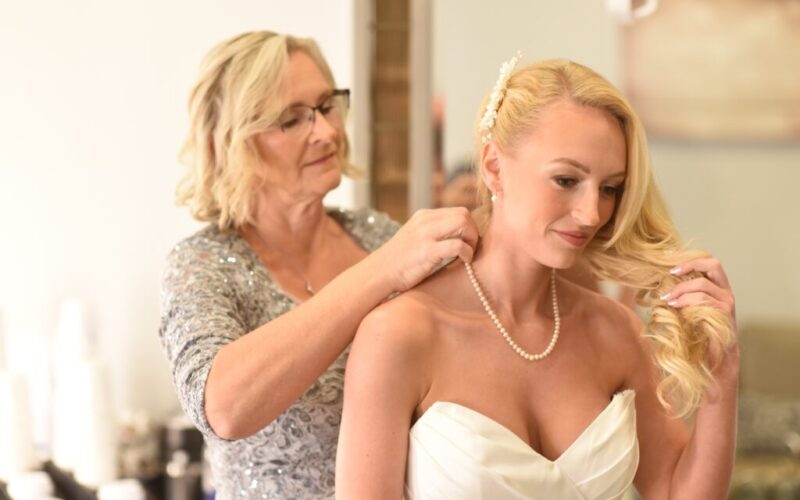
{"x": 298, "y": 120}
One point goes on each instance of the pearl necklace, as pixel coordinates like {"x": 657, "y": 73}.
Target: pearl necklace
{"x": 309, "y": 289}
{"x": 519, "y": 350}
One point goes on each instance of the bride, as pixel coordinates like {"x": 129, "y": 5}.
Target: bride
{"x": 498, "y": 379}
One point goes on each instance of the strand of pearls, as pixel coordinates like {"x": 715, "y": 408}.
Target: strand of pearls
{"x": 519, "y": 350}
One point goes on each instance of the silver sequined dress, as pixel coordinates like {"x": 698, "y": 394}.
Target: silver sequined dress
{"x": 215, "y": 290}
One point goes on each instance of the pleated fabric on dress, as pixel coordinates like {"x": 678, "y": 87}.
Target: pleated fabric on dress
{"x": 458, "y": 453}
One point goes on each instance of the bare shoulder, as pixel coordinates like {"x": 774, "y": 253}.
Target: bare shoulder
{"x": 613, "y": 324}
{"x": 396, "y": 341}
{"x": 405, "y": 322}
{"x": 412, "y": 319}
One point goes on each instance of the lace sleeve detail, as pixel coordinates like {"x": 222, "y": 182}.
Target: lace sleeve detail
{"x": 371, "y": 228}
{"x": 200, "y": 313}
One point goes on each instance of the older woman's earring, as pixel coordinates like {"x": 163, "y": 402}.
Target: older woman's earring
{"x": 494, "y": 197}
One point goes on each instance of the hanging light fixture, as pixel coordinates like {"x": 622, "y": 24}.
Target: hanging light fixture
{"x": 625, "y": 12}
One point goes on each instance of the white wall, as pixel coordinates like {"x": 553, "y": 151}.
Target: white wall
{"x": 92, "y": 115}
{"x": 740, "y": 201}
{"x": 473, "y": 38}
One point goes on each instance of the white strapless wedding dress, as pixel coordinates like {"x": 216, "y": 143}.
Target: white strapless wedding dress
{"x": 456, "y": 453}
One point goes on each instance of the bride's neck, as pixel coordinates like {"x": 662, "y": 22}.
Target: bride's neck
{"x": 512, "y": 279}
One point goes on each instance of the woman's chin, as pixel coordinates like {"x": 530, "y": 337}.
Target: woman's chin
{"x": 561, "y": 262}
{"x": 327, "y": 181}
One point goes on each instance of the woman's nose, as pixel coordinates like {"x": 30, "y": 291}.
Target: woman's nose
{"x": 322, "y": 128}
{"x": 586, "y": 212}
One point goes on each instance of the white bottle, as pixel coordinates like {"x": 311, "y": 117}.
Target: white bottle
{"x": 95, "y": 462}
{"x": 31, "y": 486}
{"x": 73, "y": 345}
{"x": 124, "y": 489}
{"x": 17, "y": 453}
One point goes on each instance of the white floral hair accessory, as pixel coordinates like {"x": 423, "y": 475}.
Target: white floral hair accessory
{"x": 498, "y": 92}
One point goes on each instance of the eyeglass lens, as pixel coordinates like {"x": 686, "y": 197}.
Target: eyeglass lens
{"x": 300, "y": 118}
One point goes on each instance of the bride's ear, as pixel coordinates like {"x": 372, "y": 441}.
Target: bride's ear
{"x": 490, "y": 167}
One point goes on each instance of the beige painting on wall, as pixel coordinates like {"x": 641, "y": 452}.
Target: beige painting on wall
{"x": 721, "y": 70}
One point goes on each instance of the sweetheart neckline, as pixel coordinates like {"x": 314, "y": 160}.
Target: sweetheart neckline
{"x": 517, "y": 438}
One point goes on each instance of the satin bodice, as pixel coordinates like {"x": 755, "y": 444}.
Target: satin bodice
{"x": 457, "y": 452}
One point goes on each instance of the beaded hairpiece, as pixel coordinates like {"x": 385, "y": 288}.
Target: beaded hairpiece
{"x": 498, "y": 92}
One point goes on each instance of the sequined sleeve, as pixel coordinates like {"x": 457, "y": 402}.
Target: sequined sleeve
{"x": 369, "y": 227}
{"x": 215, "y": 290}
{"x": 200, "y": 315}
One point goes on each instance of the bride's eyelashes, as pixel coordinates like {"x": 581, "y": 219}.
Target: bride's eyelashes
{"x": 565, "y": 182}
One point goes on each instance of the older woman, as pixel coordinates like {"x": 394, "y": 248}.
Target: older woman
{"x": 260, "y": 306}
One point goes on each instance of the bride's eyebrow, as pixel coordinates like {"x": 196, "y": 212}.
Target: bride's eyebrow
{"x": 580, "y": 166}
{"x": 618, "y": 175}
{"x": 573, "y": 162}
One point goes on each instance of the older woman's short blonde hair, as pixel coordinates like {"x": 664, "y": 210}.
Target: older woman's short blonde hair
{"x": 237, "y": 95}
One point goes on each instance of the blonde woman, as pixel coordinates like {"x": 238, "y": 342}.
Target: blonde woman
{"x": 259, "y": 306}
{"x": 500, "y": 379}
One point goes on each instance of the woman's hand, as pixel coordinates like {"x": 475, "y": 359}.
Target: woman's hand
{"x": 429, "y": 238}
{"x": 710, "y": 288}
{"x": 705, "y": 463}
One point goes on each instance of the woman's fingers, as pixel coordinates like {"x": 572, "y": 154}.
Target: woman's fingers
{"x": 709, "y": 266}
{"x": 701, "y": 298}
{"x": 454, "y": 234}
{"x": 446, "y": 223}
{"x": 455, "y": 248}
{"x": 712, "y": 288}
{"x": 697, "y": 285}
{"x": 430, "y": 237}
{"x": 458, "y": 225}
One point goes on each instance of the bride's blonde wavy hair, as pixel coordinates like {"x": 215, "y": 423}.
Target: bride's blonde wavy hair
{"x": 236, "y": 96}
{"x": 639, "y": 245}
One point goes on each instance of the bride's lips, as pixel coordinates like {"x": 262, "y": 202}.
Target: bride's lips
{"x": 576, "y": 239}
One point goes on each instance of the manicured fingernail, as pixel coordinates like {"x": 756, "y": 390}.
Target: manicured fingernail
{"x": 673, "y": 303}
{"x": 664, "y": 296}
{"x": 675, "y": 270}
